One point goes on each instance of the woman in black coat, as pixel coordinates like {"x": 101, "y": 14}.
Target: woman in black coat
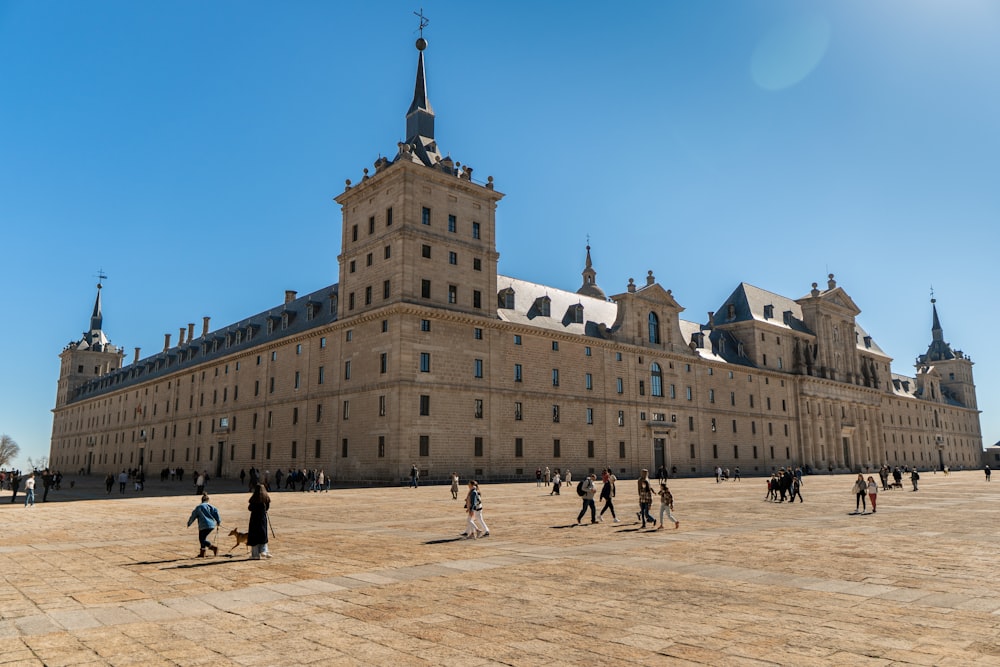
{"x": 259, "y": 503}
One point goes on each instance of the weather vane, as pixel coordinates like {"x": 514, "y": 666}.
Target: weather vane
{"x": 423, "y": 20}
{"x": 933, "y": 300}
{"x": 101, "y": 277}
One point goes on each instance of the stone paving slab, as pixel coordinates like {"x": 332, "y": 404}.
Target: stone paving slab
{"x": 111, "y": 580}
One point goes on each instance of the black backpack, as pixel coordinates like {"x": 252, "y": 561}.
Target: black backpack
{"x": 579, "y": 487}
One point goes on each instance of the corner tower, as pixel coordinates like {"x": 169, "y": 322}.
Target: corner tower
{"x": 953, "y": 367}
{"x": 420, "y": 229}
{"x": 90, "y": 357}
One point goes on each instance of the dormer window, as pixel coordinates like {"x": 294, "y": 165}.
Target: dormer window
{"x": 868, "y": 341}
{"x": 768, "y": 312}
{"x": 731, "y": 311}
{"x": 576, "y": 313}
{"x": 543, "y": 305}
{"x": 270, "y": 325}
{"x": 310, "y": 310}
{"x": 239, "y": 336}
{"x": 505, "y": 299}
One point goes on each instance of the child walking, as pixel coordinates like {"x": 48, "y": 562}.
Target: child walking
{"x": 667, "y": 506}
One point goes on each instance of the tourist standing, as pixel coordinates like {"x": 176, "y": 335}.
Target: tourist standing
{"x": 414, "y": 475}
{"x": 538, "y": 476}
{"x": 29, "y": 491}
{"x": 860, "y": 491}
{"x": 109, "y": 482}
{"x": 589, "y": 489}
{"x": 454, "y": 486}
{"x": 556, "y": 483}
{"x": 872, "y": 491}
{"x": 208, "y": 518}
{"x": 548, "y": 475}
{"x": 15, "y": 484}
{"x": 199, "y": 483}
{"x": 914, "y": 477}
{"x": 260, "y": 502}
{"x": 987, "y": 469}
{"x": 667, "y": 506}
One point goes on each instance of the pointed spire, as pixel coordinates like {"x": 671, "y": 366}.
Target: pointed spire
{"x": 420, "y": 115}
{"x": 94, "y": 337}
{"x": 97, "y": 319}
{"x": 936, "y": 331}
{"x": 938, "y": 350}
{"x": 589, "y": 287}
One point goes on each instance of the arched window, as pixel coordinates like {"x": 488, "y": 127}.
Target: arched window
{"x": 656, "y": 378}
{"x": 654, "y": 329}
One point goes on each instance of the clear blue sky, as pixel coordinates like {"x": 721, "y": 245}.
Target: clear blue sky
{"x": 192, "y": 149}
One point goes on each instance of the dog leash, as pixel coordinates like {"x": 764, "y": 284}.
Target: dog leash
{"x": 267, "y": 518}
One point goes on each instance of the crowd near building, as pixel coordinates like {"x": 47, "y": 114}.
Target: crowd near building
{"x": 423, "y": 354}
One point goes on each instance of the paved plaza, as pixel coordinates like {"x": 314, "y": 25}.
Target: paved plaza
{"x": 379, "y": 576}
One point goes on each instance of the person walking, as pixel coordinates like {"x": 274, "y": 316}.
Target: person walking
{"x": 208, "y": 518}
{"x": 109, "y": 482}
{"x": 556, "y": 483}
{"x": 29, "y": 491}
{"x": 538, "y": 476}
{"x": 860, "y": 491}
{"x": 736, "y": 474}
{"x": 987, "y": 470}
{"x": 667, "y": 506}
{"x": 414, "y": 475}
{"x": 548, "y": 475}
{"x": 796, "y": 489}
{"x": 473, "y": 504}
{"x": 645, "y": 498}
{"x": 122, "y": 481}
{"x": 914, "y": 477}
{"x": 872, "y": 491}
{"x": 454, "y": 486}
{"x": 260, "y": 502}
{"x": 15, "y": 484}
{"x": 608, "y": 494}
{"x": 568, "y": 477}
{"x": 199, "y": 483}
{"x": 588, "y": 489}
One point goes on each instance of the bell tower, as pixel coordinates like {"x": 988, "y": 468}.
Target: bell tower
{"x": 88, "y": 358}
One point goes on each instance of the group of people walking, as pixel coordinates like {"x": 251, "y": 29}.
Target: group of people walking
{"x": 209, "y": 519}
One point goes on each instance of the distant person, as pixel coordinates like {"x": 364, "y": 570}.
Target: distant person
{"x": 645, "y": 498}
{"x": 914, "y": 477}
{"x": 556, "y": 483}
{"x": 414, "y": 476}
{"x": 29, "y": 491}
{"x": 208, "y": 518}
{"x": 122, "y": 481}
{"x": 15, "y": 484}
{"x": 588, "y": 488}
{"x": 860, "y": 491}
{"x": 608, "y": 494}
{"x": 987, "y": 470}
{"x": 109, "y": 482}
{"x": 667, "y": 506}
{"x": 872, "y": 491}
{"x": 538, "y": 476}
{"x": 454, "y": 486}
{"x": 259, "y": 504}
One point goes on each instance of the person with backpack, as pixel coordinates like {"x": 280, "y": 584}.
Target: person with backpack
{"x": 586, "y": 490}
{"x": 914, "y": 477}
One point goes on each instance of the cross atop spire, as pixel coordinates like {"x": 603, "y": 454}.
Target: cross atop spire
{"x": 420, "y": 115}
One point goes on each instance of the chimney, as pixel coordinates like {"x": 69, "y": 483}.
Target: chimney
{"x": 166, "y": 342}
{"x": 204, "y": 327}
{"x": 290, "y": 295}
{"x": 180, "y": 337}
{"x": 136, "y": 359}
{"x": 190, "y": 332}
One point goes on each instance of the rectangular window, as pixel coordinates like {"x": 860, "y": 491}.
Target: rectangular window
{"x": 477, "y": 333}
{"x": 371, "y": 225}
{"x": 517, "y": 373}
{"x": 256, "y": 388}
{"x": 621, "y": 449}
{"x": 322, "y": 343}
{"x": 425, "y": 251}
{"x": 270, "y": 386}
{"x": 732, "y": 398}
{"x": 425, "y": 325}
{"x": 381, "y": 406}
{"x": 383, "y": 362}
{"x": 297, "y": 379}
{"x": 555, "y": 414}
{"x": 388, "y": 217}
{"x": 479, "y": 409}
{"x": 690, "y": 423}
{"x": 425, "y": 289}
{"x": 322, "y": 375}
{"x": 555, "y": 346}
{"x": 590, "y": 449}
{"x": 425, "y": 445}
{"x": 386, "y": 289}
{"x": 267, "y": 453}
{"x": 477, "y": 299}
{"x": 555, "y": 448}
{"x": 478, "y": 368}
{"x": 319, "y": 412}
{"x": 517, "y": 339}
{"x": 618, "y": 356}
{"x": 621, "y": 417}
{"x": 452, "y": 258}
{"x": 347, "y": 370}
{"x": 475, "y": 230}
{"x": 295, "y": 415}
{"x": 425, "y": 216}
{"x": 425, "y": 362}
{"x": 352, "y": 267}
{"x": 687, "y": 393}
{"x": 452, "y": 224}
{"x": 588, "y": 381}
{"x": 711, "y": 396}
{"x": 555, "y": 377}
{"x": 368, "y": 259}
{"x": 590, "y": 416}
{"x": 452, "y": 294}
{"x": 642, "y": 388}
{"x": 381, "y": 446}
{"x": 425, "y": 405}
{"x": 619, "y": 385}
{"x": 734, "y": 426}
{"x": 477, "y": 445}
{"x": 518, "y": 411}
{"x": 518, "y": 447}
{"x": 477, "y": 264}
{"x": 318, "y": 449}
{"x": 387, "y": 252}
{"x": 343, "y": 448}
{"x": 715, "y": 451}
{"x": 295, "y": 446}
{"x": 347, "y": 410}
{"x": 714, "y": 426}
{"x": 354, "y": 233}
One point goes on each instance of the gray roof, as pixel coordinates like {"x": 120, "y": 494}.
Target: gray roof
{"x": 598, "y": 314}
{"x": 287, "y": 319}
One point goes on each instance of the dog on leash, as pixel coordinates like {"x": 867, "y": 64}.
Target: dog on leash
{"x": 241, "y": 538}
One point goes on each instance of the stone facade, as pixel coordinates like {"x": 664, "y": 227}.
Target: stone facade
{"x": 422, "y": 353}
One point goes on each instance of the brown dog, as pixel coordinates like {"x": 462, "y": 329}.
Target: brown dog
{"x": 241, "y": 538}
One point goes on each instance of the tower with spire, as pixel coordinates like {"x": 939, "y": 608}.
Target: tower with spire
{"x": 89, "y": 357}
{"x": 951, "y": 368}
{"x": 589, "y": 287}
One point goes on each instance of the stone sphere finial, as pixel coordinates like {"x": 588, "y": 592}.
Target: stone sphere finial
{"x": 421, "y": 44}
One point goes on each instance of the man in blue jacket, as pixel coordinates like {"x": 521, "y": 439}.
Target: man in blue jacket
{"x": 208, "y": 518}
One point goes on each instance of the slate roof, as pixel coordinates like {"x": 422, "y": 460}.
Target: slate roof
{"x": 193, "y": 352}
{"x": 598, "y": 314}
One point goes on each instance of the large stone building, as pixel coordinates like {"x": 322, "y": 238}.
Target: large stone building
{"x": 422, "y": 353}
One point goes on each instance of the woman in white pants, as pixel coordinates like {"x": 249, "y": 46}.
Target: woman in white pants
{"x": 474, "y": 509}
